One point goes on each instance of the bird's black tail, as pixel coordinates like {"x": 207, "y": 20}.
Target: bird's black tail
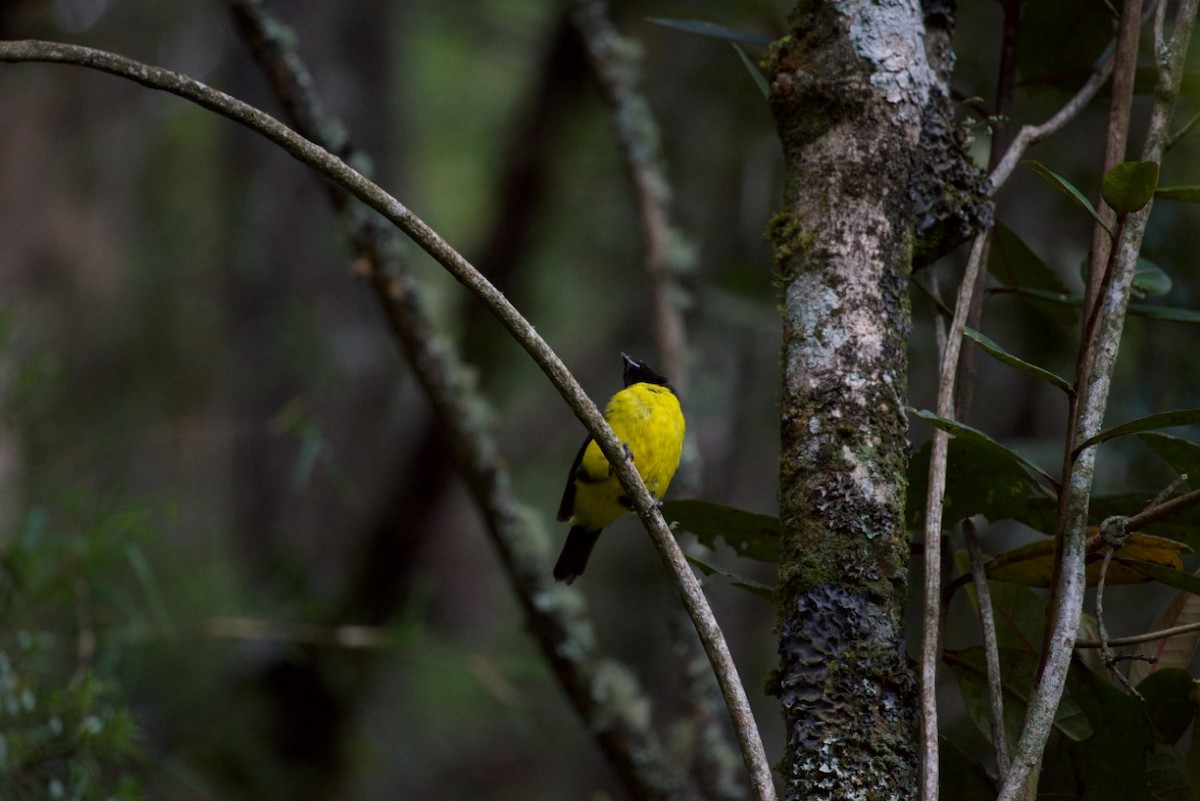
{"x": 575, "y": 553}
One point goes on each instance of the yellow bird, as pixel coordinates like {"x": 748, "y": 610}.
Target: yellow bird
{"x": 646, "y": 417}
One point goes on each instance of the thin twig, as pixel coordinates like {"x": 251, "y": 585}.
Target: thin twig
{"x": 1032, "y": 134}
{"x": 1158, "y": 512}
{"x": 1148, "y": 636}
{"x": 1114, "y": 531}
{"x": 991, "y": 649}
{"x": 319, "y": 159}
{"x": 930, "y": 636}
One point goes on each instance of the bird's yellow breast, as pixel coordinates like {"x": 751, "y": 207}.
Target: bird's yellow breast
{"x": 649, "y": 420}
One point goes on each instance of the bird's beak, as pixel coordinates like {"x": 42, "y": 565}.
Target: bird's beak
{"x": 629, "y": 360}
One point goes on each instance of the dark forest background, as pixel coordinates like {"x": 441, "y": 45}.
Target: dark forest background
{"x": 212, "y": 454}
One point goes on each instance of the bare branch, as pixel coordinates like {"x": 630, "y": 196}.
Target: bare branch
{"x": 1032, "y": 134}
{"x": 1149, "y": 636}
{"x": 931, "y": 610}
{"x": 321, "y": 160}
{"x": 987, "y": 622}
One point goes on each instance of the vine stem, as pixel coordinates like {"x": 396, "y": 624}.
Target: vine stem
{"x": 342, "y": 174}
{"x": 930, "y": 636}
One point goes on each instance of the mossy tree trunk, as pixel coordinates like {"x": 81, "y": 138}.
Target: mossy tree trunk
{"x": 853, "y": 93}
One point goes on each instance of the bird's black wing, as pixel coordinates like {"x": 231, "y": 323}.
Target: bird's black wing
{"x": 567, "y": 507}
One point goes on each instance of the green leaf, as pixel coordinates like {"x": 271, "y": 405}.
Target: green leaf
{"x": 1169, "y": 314}
{"x": 1014, "y": 264}
{"x": 1149, "y": 280}
{"x": 1165, "y": 575}
{"x": 960, "y": 776}
{"x": 979, "y": 481}
{"x": 1167, "y": 653}
{"x": 760, "y": 80}
{"x": 1182, "y": 455}
{"x": 1166, "y": 692}
{"x": 703, "y": 28}
{"x": 1067, "y": 188}
{"x": 1166, "y": 772}
{"x": 756, "y": 587}
{"x": 1062, "y": 36}
{"x": 975, "y": 435}
{"x": 1129, "y": 186}
{"x": 752, "y": 536}
{"x": 1001, "y": 355}
{"x": 1182, "y": 417}
{"x": 1182, "y": 194}
{"x": 1113, "y": 760}
{"x": 1019, "y": 612}
{"x": 1017, "y": 669}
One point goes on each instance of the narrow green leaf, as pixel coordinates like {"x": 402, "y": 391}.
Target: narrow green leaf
{"x": 1128, "y": 186}
{"x": 1181, "y": 454}
{"x": 1018, "y": 669}
{"x": 1166, "y": 692}
{"x": 750, "y": 585}
{"x": 1019, "y": 611}
{"x": 1112, "y": 762}
{"x": 1165, "y": 575}
{"x": 760, "y": 80}
{"x": 1172, "y": 314}
{"x": 1067, "y": 188}
{"x": 1014, "y": 264}
{"x": 1001, "y": 355}
{"x": 1166, "y": 773}
{"x": 151, "y": 589}
{"x": 1149, "y": 280}
{"x": 752, "y": 536}
{"x": 957, "y": 429}
{"x": 1181, "y": 417}
{"x": 1182, "y": 194}
{"x": 960, "y": 776}
{"x": 703, "y": 28}
{"x": 980, "y": 481}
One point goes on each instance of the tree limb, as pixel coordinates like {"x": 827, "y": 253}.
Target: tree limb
{"x": 561, "y": 629}
{"x": 334, "y": 169}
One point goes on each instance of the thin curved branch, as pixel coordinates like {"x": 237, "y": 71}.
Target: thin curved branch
{"x": 991, "y": 649}
{"x": 333, "y": 168}
{"x": 1032, "y": 134}
{"x": 931, "y": 614}
{"x": 561, "y": 629}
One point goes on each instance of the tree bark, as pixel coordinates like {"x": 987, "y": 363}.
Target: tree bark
{"x": 853, "y": 93}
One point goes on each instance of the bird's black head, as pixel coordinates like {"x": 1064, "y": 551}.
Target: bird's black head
{"x": 639, "y": 373}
